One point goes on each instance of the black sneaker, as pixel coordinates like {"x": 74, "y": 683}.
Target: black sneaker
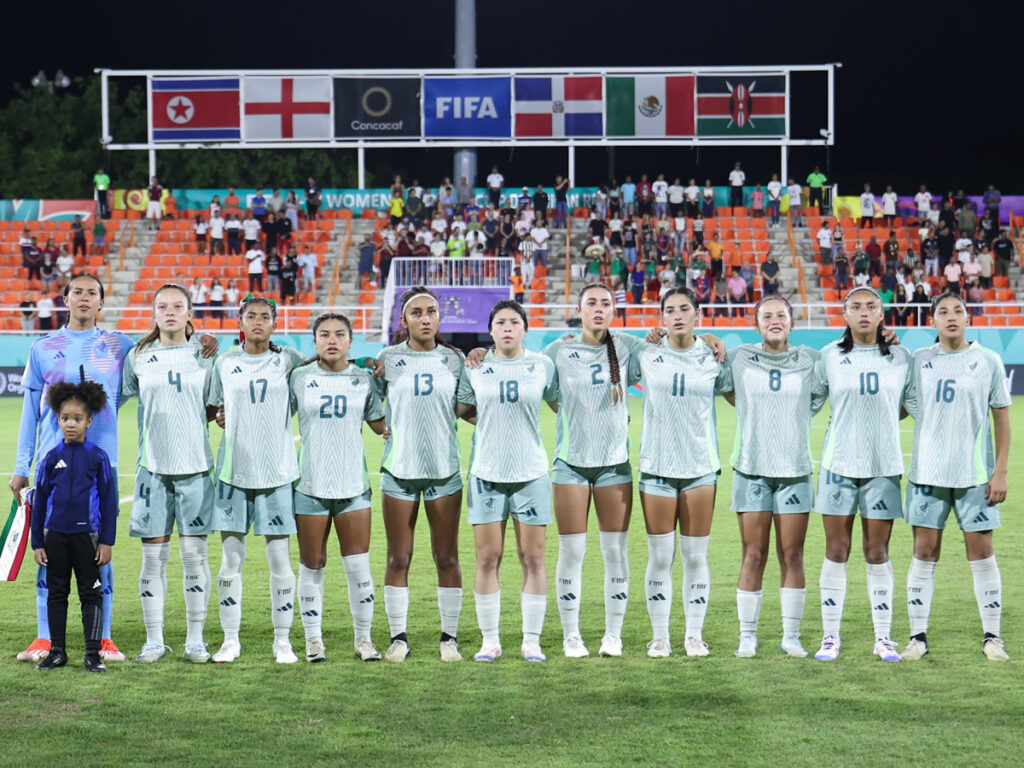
{"x": 56, "y": 658}
{"x": 93, "y": 663}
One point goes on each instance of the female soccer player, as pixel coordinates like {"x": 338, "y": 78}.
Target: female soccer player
{"x": 508, "y": 474}
{"x": 956, "y": 383}
{"x": 592, "y": 460}
{"x": 333, "y": 398}
{"x": 679, "y": 467}
{"x": 256, "y": 466}
{"x": 861, "y": 464}
{"x": 772, "y": 462}
{"x": 421, "y": 459}
{"x": 167, "y": 371}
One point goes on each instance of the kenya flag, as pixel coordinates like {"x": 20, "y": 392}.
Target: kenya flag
{"x": 749, "y": 105}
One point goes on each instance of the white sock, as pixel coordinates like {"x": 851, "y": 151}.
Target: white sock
{"x": 282, "y": 586}
{"x": 920, "y": 587}
{"x": 748, "y": 608}
{"x": 661, "y": 552}
{"x": 880, "y": 586}
{"x": 396, "y": 606}
{"x": 792, "y": 603}
{"x": 360, "y": 592}
{"x": 195, "y": 564}
{"x": 988, "y": 591}
{"x": 153, "y": 589}
{"x": 693, "y": 550}
{"x": 449, "y": 604}
{"x": 832, "y": 585}
{"x": 229, "y": 584}
{"x": 569, "y": 580}
{"x": 311, "y": 601}
{"x": 534, "y": 607}
{"x": 488, "y": 616}
{"x": 615, "y": 551}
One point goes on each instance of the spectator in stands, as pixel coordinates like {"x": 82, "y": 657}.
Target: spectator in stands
{"x": 698, "y": 229}
{"x": 48, "y": 272}
{"x": 518, "y": 285}
{"x": 1003, "y": 249}
{"x": 78, "y": 236}
{"x": 271, "y": 231}
{"x": 757, "y": 202}
{"x": 99, "y": 237}
{"x": 702, "y": 289}
{"x": 259, "y": 207}
{"x": 27, "y": 315}
{"x": 490, "y": 230}
{"x": 25, "y": 242}
{"x": 889, "y": 279}
{"x": 595, "y": 256}
{"x": 200, "y": 228}
{"x": 507, "y": 242}
{"x": 677, "y": 199}
{"x": 397, "y": 187}
{"x": 439, "y": 224}
{"x": 459, "y": 225}
{"x": 909, "y": 260}
{"x": 307, "y": 264}
{"x": 65, "y": 266}
{"x": 216, "y": 232}
{"x": 366, "y": 250}
{"x": 946, "y": 216}
{"x": 275, "y": 203}
{"x": 476, "y": 241}
{"x": 816, "y": 181}
{"x": 396, "y": 209}
{"x": 628, "y": 198}
{"x": 414, "y": 206}
{"x": 737, "y": 178}
{"x": 795, "y": 192}
{"x": 953, "y": 273}
{"x": 291, "y": 210}
{"x": 991, "y": 199}
{"x": 274, "y": 263}
{"x": 874, "y": 253}
{"x": 255, "y": 258}
{"x": 666, "y": 280}
{"x": 233, "y": 230}
{"x": 971, "y": 268}
{"x": 691, "y": 197}
{"x": 967, "y": 221}
{"x": 446, "y": 203}
{"x": 45, "y": 311}
{"x": 698, "y": 262}
{"x": 679, "y": 230}
{"x": 154, "y": 210}
{"x": 975, "y": 297}
{"x": 313, "y": 199}
{"x": 900, "y": 311}
{"x": 659, "y": 190}
{"x": 838, "y": 243}
{"x": 947, "y": 243}
{"x": 988, "y": 227}
{"x": 231, "y": 299}
{"x": 540, "y": 202}
{"x": 541, "y": 238}
{"x": 289, "y": 276}
{"x": 841, "y": 269}
{"x": 747, "y": 273}
{"x": 737, "y": 292}
{"x": 614, "y": 193}
{"x": 716, "y": 249}
{"x": 101, "y": 191}
{"x": 495, "y": 181}
{"x": 216, "y": 300}
{"x": 769, "y": 276}
{"x": 867, "y": 208}
{"x": 51, "y": 250}
{"x": 562, "y": 187}
{"x": 215, "y": 206}
{"x": 33, "y": 260}
{"x": 463, "y": 195}
{"x": 891, "y": 250}
{"x": 429, "y": 205}
{"x": 630, "y": 245}
{"x": 199, "y": 294}
{"x": 233, "y": 204}
{"x": 252, "y": 229}
{"x": 170, "y": 205}
{"x": 708, "y": 199}
{"x": 385, "y": 254}
{"x": 824, "y": 237}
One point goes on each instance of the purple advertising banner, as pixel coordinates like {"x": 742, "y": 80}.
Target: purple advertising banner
{"x": 908, "y": 208}
{"x": 463, "y": 309}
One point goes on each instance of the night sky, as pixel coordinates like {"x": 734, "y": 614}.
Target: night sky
{"x": 928, "y": 92}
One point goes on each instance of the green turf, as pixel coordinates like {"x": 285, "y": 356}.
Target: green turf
{"x": 952, "y": 708}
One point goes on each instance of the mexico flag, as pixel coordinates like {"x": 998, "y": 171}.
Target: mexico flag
{"x": 752, "y": 105}
{"x": 650, "y": 105}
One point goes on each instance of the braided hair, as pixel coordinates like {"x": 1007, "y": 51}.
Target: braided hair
{"x": 609, "y": 343}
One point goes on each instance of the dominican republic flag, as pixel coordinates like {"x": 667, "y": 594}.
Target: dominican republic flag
{"x": 558, "y": 106}
{"x": 753, "y": 105}
{"x": 287, "y": 108}
{"x": 194, "y": 109}
{"x": 14, "y": 539}
{"x": 650, "y": 105}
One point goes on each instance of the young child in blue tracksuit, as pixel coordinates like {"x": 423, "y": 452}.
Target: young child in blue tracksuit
{"x": 74, "y": 519}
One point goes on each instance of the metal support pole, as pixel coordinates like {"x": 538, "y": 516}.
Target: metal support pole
{"x": 152, "y": 164}
{"x": 465, "y": 58}
{"x": 571, "y": 174}
{"x": 784, "y": 165}
{"x": 361, "y": 166}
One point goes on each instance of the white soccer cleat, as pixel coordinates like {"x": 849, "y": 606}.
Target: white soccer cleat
{"x": 398, "y": 651}
{"x": 487, "y": 653}
{"x": 229, "y": 651}
{"x": 829, "y": 650}
{"x": 532, "y": 652}
{"x": 196, "y": 652}
{"x": 610, "y": 646}
{"x": 791, "y": 647}
{"x": 916, "y": 649}
{"x": 659, "y": 648}
{"x": 449, "y": 650}
{"x": 151, "y": 652}
{"x": 748, "y": 646}
{"x": 366, "y": 650}
{"x": 696, "y": 647}
{"x": 885, "y": 649}
{"x": 994, "y": 649}
{"x": 283, "y": 653}
{"x": 574, "y": 648}
{"x": 315, "y": 650}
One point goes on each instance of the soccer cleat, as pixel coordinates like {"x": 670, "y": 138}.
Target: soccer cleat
{"x": 574, "y": 648}
{"x": 532, "y": 652}
{"x": 885, "y": 649}
{"x": 610, "y": 646}
{"x": 398, "y": 651}
{"x": 791, "y": 647}
{"x": 659, "y": 648}
{"x": 36, "y": 651}
{"x": 450, "y": 650}
{"x": 229, "y": 651}
{"x": 748, "y": 646}
{"x": 93, "y": 663}
{"x": 829, "y": 650}
{"x": 487, "y": 653}
{"x": 916, "y": 649}
{"x": 54, "y": 658}
{"x": 109, "y": 651}
{"x": 196, "y": 652}
{"x": 994, "y": 650}
{"x": 365, "y": 650}
{"x": 151, "y": 652}
{"x": 696, "y": 647}
{"x": 283, "y": 653}
{"x": 315, "y": 650}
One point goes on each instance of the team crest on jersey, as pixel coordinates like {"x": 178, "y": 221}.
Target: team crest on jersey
{"x": 143, "y": 521}
{"x": 701, "y": 359}
{"x": 835, "y": 498}
{"x": 972, "y": 367}
{"x": 530, "y": 367}
{"x": 755, "y": 493}
{"x": 489, "y": 503}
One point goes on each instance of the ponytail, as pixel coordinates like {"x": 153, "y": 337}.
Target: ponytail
{"x": 613, "y": 367}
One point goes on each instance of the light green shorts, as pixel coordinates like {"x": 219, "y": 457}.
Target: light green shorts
{"x": 268, "y": 511}
{"x": 671, "y": 487}
{"x": 878, "y": 498}
{"x": 928, "y": 506}
{"x": 162, "y": 500}
{"x": 778, "y": 495}
{"x": 411, "y": 490}
{"x": 614, "y": 474}
{"x": 529, "y": 502}
{"x": 311, "y": 505}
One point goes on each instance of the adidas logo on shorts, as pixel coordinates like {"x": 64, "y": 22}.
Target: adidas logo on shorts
{"x": 276, "y": 520}
{"x": 792, "y": 500}
{"x": 880, "y": 507}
